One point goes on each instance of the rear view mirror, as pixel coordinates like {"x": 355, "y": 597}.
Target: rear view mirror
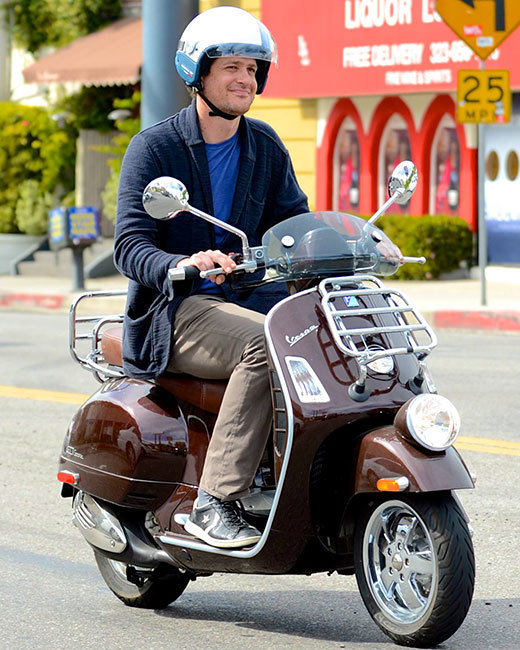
{"x": 403, "y": 182}
{"x": 165, "y": 197}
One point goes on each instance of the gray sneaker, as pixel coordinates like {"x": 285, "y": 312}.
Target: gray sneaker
{"x": 219, "y": 523}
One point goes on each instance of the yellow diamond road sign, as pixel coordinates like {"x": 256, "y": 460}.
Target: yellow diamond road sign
{"x": 483, "y": 96}
{"x": 481, "y": 24}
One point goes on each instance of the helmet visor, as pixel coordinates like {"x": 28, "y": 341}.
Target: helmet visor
{"x": 265, "y": 52}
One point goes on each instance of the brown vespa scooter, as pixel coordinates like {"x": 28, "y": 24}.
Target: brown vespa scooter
{"x": 359, "y": 473}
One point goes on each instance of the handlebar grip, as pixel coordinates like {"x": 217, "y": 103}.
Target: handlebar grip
{"x": 183, "y": 273}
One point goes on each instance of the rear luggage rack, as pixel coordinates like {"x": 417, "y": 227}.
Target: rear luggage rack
{"x": 90, "y": 328}
{"x": 411, "y": 334}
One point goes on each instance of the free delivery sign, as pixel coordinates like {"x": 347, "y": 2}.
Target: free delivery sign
{"x": 370, "y": 47}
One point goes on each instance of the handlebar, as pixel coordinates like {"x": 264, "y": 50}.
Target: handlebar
{"x": 192, "y": 272}
{"x": 183, "y": 273}
{"x": 414, "y": 260}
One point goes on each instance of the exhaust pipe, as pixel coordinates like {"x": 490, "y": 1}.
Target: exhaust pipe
{"x": 98, "y": 526}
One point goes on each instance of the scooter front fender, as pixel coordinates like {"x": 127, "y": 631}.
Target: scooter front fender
{"x": 385, "y": 453}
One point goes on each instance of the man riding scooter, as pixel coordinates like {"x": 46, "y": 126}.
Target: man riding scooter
{"x": 203, "y": 328}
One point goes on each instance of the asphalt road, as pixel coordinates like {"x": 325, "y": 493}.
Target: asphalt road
{"x": 52, "y": 594}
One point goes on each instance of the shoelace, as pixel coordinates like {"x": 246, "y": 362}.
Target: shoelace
{"x": 229, "y": 514}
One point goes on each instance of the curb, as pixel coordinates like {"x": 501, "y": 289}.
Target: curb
{"x": 481, "y": 320}
{"x": 34, "y": 301}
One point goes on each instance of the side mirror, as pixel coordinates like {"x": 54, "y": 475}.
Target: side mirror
{"x": 165, "y": 197}
{"x": 403, "y": 182}
{"x": 401, "y": 186}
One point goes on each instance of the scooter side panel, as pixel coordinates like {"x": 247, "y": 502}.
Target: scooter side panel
{"x": 385, "y": 454}
{"x": 127, "y": 433}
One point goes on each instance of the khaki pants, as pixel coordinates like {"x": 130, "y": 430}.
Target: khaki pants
{"x": 215, "y": 339}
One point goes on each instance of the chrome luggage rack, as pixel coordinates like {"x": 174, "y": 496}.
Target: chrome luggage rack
{"x": 417, "y": 336}
{"x": 91, "y": 328}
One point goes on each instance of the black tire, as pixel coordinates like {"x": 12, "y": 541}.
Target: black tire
{"x": 415, "y": 566}
{"x": 156, "y": 592}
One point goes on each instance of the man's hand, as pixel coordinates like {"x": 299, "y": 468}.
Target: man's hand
{"x": 206, "y": 260}
{"x": 390, "y": 252}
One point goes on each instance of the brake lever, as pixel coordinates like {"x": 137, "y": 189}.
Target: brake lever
{"x": 414, "y": 260}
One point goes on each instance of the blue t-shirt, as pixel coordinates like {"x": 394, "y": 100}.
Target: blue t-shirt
{"x": 223, "y": 162}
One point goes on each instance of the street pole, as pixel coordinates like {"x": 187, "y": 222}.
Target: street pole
{"x": 482, "y": 233}
{"x": 78, "y": 277}
{"x": 6, "y": 30}
{"x": 163, "y": 92}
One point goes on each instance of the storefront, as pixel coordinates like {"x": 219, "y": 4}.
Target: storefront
{"x": 384, "y": 76}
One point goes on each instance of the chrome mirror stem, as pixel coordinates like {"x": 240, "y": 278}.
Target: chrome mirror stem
{"x": 246, "y": 250}
{"x": 385, "y": 206}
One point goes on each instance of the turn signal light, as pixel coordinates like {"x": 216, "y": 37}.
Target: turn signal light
{"x": 68, "y": 477}
{"x": 396, "y": 484}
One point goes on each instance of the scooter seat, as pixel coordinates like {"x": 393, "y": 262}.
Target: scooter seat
{"x": 205, "y": 394}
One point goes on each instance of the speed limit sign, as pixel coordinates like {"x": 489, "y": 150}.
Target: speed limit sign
{"x": 483, "y": 96}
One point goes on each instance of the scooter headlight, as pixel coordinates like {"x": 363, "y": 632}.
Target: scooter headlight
{"x": 432, "y": 421}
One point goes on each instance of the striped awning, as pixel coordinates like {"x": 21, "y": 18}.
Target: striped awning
{"x": 111, "y": 56}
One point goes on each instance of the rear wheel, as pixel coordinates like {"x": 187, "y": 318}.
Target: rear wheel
{"x": 415, "y": 567}
{"x": 155, "y": 590}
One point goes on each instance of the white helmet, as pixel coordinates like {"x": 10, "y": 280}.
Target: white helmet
{"x": 224, "y": 31}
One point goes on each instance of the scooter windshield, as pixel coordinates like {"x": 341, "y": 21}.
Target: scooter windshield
{"x": 321, "y": 244}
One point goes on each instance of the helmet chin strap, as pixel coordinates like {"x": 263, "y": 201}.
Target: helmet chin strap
{"x": 216, "y": 112}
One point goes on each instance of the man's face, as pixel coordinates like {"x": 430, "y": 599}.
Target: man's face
{"x": 231, "y": 84}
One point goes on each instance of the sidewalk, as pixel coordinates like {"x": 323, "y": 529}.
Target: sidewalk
{"x": 444, "y": 303}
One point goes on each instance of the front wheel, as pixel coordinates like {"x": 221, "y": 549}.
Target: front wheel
{"x": 415, "y": 567}
{"x": 153, "y": 591}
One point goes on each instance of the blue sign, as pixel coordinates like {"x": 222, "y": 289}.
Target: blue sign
{"x": 503, "y": 241}
{"x": 57, "y": 229}
{"x": 83, "y": 224}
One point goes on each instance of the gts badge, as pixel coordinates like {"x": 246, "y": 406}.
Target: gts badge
{"x": 351, "y": 301}
{"x": 292, "y": 340}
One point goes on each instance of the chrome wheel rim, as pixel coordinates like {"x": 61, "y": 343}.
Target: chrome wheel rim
{"x": 119, "y": 568}
{"x": 399, "y": 562}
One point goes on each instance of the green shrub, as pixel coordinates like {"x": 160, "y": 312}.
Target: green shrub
{"x": 32, "y": 148}
{"x": 445, "y": 242}
{"x": 90, "y": 106}
{"x": 127, "y": 129}
{"x": 32, "y": 208}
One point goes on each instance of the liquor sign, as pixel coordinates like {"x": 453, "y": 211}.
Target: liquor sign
{"x": 481, "y": 24}
{"x": 484, "y": 96}
{"x": 340, "y": 48}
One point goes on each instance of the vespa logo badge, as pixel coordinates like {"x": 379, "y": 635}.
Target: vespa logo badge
{"x": 71, "y": 451}
{"x": 292, "y": 340}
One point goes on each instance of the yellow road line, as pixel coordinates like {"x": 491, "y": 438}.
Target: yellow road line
{"x": 40, "y": 395}
{"x": 464, "y": 443}
{"x": 488, "y": 445}
{"x": 489, "y": 441}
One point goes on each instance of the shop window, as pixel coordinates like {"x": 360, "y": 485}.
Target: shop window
{"x": 512, "y": 165}
{"x": 445, "y": 169}
{"x": 395, "y": 147}
{"x": 347, "y": 164}
{"x": 492, "y": 166}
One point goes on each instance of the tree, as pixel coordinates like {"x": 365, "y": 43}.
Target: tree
{"x": 55, "y": 23}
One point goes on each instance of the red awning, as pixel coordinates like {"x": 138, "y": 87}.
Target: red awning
{"x": 111, "y": 56}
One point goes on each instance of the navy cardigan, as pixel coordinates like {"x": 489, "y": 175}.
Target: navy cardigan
{"x": 144, "y": 249}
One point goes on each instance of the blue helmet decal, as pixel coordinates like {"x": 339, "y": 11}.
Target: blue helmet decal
{"x": 186, "y": 68}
